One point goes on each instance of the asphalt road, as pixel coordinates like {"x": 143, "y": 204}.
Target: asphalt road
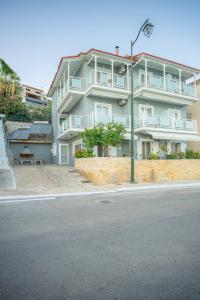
{"x": 141, "y": 245}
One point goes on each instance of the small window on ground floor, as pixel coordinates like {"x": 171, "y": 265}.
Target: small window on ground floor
{"x": 77, "y": 145}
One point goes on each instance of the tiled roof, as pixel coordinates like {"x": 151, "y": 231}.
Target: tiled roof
{"x": 24, "y": 133}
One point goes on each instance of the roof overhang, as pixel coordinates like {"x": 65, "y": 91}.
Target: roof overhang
{"x": 168, "y": 62}
{"x": 185, "y": 137}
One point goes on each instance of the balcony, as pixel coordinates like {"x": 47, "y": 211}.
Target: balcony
{"x": 70, "y": 93}
{"x": 166, "y": 123}
{"x": 106, "y": 84}
{"x": 74, "y": 124}
{"x": 164, "y": 89}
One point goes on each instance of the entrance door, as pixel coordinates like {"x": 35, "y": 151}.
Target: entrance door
{"x": 103, "y": 113}
{"x": 64, "y": 154}
{"x": 175, "y": 118}
{"x": 146, "y": 149}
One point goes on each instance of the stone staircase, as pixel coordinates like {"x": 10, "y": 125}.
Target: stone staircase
{"x": 7, "y": 178}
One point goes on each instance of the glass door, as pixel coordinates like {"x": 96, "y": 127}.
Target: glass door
{"x": 146, "y": 149}
{"x": 63, "y": 154}
{"x": 103, "y": 113}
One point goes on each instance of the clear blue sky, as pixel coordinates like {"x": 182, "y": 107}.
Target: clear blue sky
{"x": 35, "y": 34}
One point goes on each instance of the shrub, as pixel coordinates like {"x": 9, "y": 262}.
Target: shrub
{"x": 191, "y": 154}
{"x": 153, "y": 155}
{"x": 84, "y": 153}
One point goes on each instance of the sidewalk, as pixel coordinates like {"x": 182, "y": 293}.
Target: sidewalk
{"x": 42, "y": 184}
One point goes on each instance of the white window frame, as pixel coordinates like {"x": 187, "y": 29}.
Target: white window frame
{"x": 75, "y": 143}
{"x": 146, "y": 106}
{"x": 104, "y": 105}
{"x": 59, "y": 157}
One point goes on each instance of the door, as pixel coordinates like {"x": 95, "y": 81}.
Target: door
{"x": 146, "y": 111}
{"x": 103, "y": 113}
{"x": 146, "y": 149}
{"x": 64, "y": 154}
{"x": 175, "y": 118}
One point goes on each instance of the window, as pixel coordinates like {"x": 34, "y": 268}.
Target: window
{"x": 175, "y": 147}
{"x": 145, "y": 111}
{"x": 102, "y": 113}
{"x": 77, "y": 145}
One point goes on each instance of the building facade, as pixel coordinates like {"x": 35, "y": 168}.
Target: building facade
{"x": 193, "y": 111}
{"x": 94, "y": 87}
{"x": 33, "y": 96}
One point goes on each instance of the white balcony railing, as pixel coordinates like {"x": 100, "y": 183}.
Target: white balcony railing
{"x": 170, "y": 85}
{"x": 105, "y": 79}
{"x": 167, "y": 122}
{"x": 75, "y": 122}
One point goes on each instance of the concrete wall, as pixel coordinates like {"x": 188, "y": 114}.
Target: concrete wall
{"x": 109, "y": 170}
{"x": 40, "y": 151}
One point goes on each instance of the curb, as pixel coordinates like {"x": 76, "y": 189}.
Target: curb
{"x": 163, "y": 187}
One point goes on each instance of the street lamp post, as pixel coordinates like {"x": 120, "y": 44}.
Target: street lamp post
{"x": 147, "y": 29}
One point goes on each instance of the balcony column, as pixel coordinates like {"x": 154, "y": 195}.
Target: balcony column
{"x": 60, "y": 92}
{"x": 95, "y": 70}
{"x": 127, "y": 73}
{"x": 112, "y": 72}
{"x": 146, "y": 73}
{"x": 180, "y": 83}
{"x": 63, "y": 83}
{"x": 195, "y": 85}
{"x": 164, "y": 78}
{"x": 68, "y": 74}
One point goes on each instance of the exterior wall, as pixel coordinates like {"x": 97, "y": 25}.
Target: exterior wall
{"x": 55, "y": 120}
{"x": 40, "y": 151}
{"x": 109, "y": 170}
{"x": 86, "y": 105}
{"x": 194, "y": 110}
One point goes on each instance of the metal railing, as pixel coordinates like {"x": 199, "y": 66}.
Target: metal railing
{"x": 104, "y": 78}
{"x": 167, "y": 122}
{"x": 170, "y": 85}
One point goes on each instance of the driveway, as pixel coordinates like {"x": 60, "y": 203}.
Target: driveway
{"x": 141, "y": 245}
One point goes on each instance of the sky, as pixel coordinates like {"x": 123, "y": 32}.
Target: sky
{"x": 34, "y": 35}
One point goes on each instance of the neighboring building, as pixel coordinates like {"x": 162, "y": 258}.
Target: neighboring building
{"x": 193, "y": 111}
{"x": 34, "y": 140}
{"x": 94, "y": 87}
{"x": 33, "y": 96}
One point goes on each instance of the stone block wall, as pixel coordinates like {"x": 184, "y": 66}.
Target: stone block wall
{"x": 108, "y": 170}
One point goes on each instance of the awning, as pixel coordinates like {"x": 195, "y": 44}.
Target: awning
{"x": 174, "y": 136}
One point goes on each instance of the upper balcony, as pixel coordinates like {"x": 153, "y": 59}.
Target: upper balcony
{"x": 108, "y": 77}
{"x": 164, "y": 83}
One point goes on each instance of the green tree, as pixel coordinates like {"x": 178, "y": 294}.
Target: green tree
{"x": 103, "y": 136}
{"x": 10, "y": 88}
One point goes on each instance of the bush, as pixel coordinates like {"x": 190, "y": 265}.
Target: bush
{"x": 84, "y": 153}
{"x": 191, "y": 154}
{"x": 153, "y": 156}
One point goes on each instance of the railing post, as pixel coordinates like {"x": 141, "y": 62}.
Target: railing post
{"x": 95, "y": 70}
{"x": 112, "y": 72}
{"x": 180, "y": 83}
{"x": 195, "y": 86}
{"x": 127, "y": 73}
{"x": 164, "y": 79}
{"x": 146, "y": 73}
{"x": 68, "y": 74}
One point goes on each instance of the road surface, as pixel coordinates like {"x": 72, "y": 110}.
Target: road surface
{"x": 130, "y": 245}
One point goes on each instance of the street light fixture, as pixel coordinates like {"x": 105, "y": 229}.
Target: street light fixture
{"x": 147, "y": 29}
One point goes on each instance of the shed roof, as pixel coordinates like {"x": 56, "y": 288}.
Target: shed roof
{"x": 24, "y": 133}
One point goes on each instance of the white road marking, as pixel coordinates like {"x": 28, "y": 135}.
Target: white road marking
{"x": 27, "y": 200}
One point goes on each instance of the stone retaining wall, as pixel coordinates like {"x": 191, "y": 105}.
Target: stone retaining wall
{"x": 107, "y": 170}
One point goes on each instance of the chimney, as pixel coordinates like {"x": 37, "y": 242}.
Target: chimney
{"x": 117, "y": 50}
